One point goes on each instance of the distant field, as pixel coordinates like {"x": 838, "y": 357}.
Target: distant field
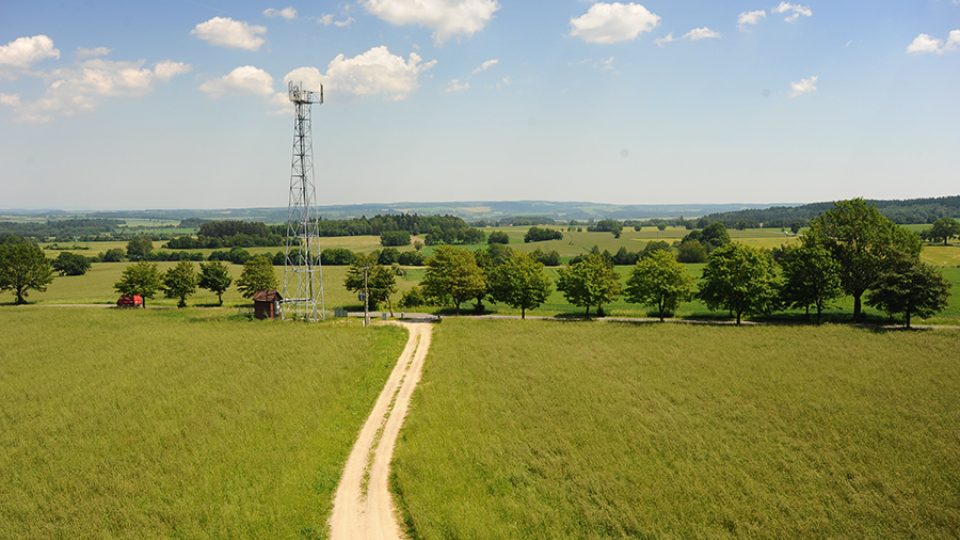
{"x": 570, "y": 430}
{"x": 165, "y": 424}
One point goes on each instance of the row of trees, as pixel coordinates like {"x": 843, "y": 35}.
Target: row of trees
{"x": 181, "y": 281}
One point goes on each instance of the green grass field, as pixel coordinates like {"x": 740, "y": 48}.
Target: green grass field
{"x": 572, "y": 430}
{"x": 167, "y": 424}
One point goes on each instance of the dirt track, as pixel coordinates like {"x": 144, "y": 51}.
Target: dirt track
{"x": 362, "y": 506}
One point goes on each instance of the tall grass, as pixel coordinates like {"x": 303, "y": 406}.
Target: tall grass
{"x": 162, "y": 424}
{"x": 571, "y": 430}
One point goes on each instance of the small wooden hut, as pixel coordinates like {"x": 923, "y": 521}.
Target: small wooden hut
{"x": 266, "y": 304}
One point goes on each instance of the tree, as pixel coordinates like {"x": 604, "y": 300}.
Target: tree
{"x": 71, "y": 264}
{"x": 654, "y": 246}
{"x": 691, "y": 251}
{"x": 862, "y": 240}
{"x": 910, "y": 287}
{"x": 520, "y": 282}
{"x": 944, "y": 229}
{"x": 711, "y": 237}
{"x": 215, "y": 277}
{"x": 395, "y": 238}
{"x": 452, "y": 276}
{"x": 141, "y": 278}
{"x": 23, "y": 267}
{"x": 381, "y": 281}
{"x": 139, "y": 247}
{"x": 540, "y": 234}
{"x": 740, "y": 279}
{"x": 257, "y": 275}
{"x": 590, "y": 282}
{"x": 811, "y": 278}
{"x": 498, "y": 237}
{"x": 659, "y": 281}
{"x": 180, "y": 282}
{"x": 112, "y": 255}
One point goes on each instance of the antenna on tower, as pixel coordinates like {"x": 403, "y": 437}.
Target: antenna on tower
{"x": 302, "y": 271}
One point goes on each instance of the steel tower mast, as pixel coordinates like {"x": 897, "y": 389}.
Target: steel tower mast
{"x": 302, "y": 271}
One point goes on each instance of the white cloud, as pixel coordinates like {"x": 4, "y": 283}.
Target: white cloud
{"x": 701, "y": 33}
{"x": 330, "y": 20}
{"x": 83, "y": 86}
{"x": 447, "y": 18}
{"x": 287, "y": 13}
{"x": 750, "y": 18}
{"x": 10, "y": 100}
{"x": 23, "y": 52}
{"x": 795, "y": 11}
{"x": 665, "y": 40}
{"x": 613, "y": 23}
{"x": 803, "y": 86}
{"x": 376, "y": 72}
{"x": 226, "y": 32}
{"x": 486, "y": 65}
{"x": 927, "y": 44}
{"x": 168, "y": 69}
{"x": 242, "y": 80}
{"x": 456, "y": 85}
{"x": 93, "y": 52}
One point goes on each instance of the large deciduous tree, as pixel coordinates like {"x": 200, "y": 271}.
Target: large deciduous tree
{"x": 592, "y": 281}
{"x": 141, "y": 278}
{"x": 862, "y": 240}
{"x": 257, "y": 275}
{"x": 215, "y": 277}
{"x": 452, "y": 277}
{"x": 943, "y": 229}
{"x": 71, "y": 264}
{"x": 910, "y": 287}
{"x": 740, "y": 279}
{"x": 23, "y": 267}
{"x": 381, "y": 281}
{"x": 520, "y": 282}
{"x": 811, "y": 278}
{"x": 139, "y": 247}
{"x": 180, "y": 282}
{"x": 659, "y": 281}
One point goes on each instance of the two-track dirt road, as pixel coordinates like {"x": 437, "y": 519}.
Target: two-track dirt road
{"x": 362, "y": 506}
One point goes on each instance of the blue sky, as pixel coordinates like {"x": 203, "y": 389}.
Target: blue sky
{"x": 180, "y": 104}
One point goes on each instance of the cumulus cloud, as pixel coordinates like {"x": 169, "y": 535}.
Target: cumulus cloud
{"x": 376, "y": 72}
{"x": 83, "y": 86}
{"x": 226, "y": 32}
{"x": 287, "y": 13}
{"x": 456, "y": 85}
{"x": 794, "y": 11}
{"x": 330, "y": 20}
{"x": 927, "y": 44}
{"x": 23, "y": 52}
{"x": 701, "y": 33}
{"x": 750, "y": 18}
{"x": 486, "y": 65}
{"x": 613, "y": 23}
{"x": 93, "y": 52}
{"x": 803, "y": 86}
{"x": 665, "y": 40}
{"x": 10, "y": 100}
{"x": 242, "y": 80}
{"x": 447, "y": 18}
{"x": 168, "y": 69}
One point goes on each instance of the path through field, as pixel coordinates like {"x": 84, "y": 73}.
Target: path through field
{"x": 362, "y": 506}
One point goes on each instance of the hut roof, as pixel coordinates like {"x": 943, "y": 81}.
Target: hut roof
{"x": 266, "y": 296}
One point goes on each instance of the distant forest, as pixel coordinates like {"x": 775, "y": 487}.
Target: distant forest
{"x": 900, "y": 211}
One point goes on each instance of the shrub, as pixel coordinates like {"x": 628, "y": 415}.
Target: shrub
{"x": 411, "y": 258}
{"x": 412, "y": 298}
{"x": 337, "y": 257}
{"x": 395, "y": 238}
{"x": 498, "y": 237}
{"x": 540, "y": 234}
{"x": 691, "y": 251}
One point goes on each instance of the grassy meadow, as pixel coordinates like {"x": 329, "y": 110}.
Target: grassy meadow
{"x": 153, "y": 424}
{"x": 572, "y": 430}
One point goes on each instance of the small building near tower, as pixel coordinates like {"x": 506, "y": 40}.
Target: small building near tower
{"x": 266, "y": 304}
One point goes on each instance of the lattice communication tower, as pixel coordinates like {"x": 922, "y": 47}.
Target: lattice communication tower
{"x": 302, "y": 272}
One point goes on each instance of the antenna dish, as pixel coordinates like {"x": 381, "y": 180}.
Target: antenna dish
{"x": 298, "y": 94}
